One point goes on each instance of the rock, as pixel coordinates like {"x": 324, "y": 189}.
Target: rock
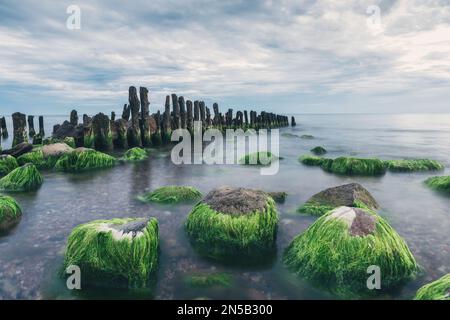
{"x": 65, "y": 130}
{"x": 231, "y": 223}
{"x": 56, "y": 150}
{"x": 19, "y": 149}
{"x": 10, "y": 213}
{"x": 172, "y": 194}
{"x": 437, "y": 290}
{"x": 132, "y": 242}
{"x": 350, "y": 195}
{"x": 279, "y": 197}
{"x": 336, "y": 251}
{"x": 22, "y": 179}
{"x": 74, "y": 118}
{"x": 319, "y": 150}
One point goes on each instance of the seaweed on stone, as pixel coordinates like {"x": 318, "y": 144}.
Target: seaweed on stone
{"x": 258, "y": 158}
{"x": 311, "y": 160}
{"x": 414, "y": 165}
{"x": 7, "y": 164}
{"x": 436, "y": 290}
{"x": 319, "y": 150}
{"x": 336, "y": 251}
{"x": 172, "y": 194}
{"x": 135, "y": 154}
{"x": 21, "y": 179}
{"x": 439, "y": 183}
{"x": 82, "y": 159}
{"x": 231, "y": 223}
{"x": 207, "y": 280}
{"x": 357, "y": 166}
{"x": 10, "y": 213}
{"x": 350, "y": 195}
{"x": 117, "y": 252}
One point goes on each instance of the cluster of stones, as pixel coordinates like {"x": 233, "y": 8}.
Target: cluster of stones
{"x": 137, "y": 127}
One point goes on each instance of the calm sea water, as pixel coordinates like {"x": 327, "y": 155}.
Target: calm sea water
{"x": 30, "y": 256}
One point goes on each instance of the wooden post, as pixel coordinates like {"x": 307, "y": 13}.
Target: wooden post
{"x": 31, "y": 131}
{"x": 190, "y": 119}
{"x": 134, "y": 132}
{"x": 167, "y": 122}
{"x": 19, "y": 128}
{"x": 144, "y": 121}
{"x": 182, "y": 106}
{"x": 4, "y": 128}
{"x": 101, "y": 129}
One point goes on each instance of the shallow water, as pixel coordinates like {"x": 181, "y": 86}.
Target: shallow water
{"x": 30, "y": 256}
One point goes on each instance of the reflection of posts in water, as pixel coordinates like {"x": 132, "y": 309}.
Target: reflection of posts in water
{"x": 140, "y": 177}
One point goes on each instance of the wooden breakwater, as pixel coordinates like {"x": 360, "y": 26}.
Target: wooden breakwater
{"x": 136, "y": 127}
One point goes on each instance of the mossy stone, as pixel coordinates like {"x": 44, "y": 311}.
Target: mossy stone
{"x": 172, "y": 195}
{"x": 10, "y": 213}
{"x": 436, "y": 290}
{"x": 115, "y": 253}
{"x": 22, "y": 179}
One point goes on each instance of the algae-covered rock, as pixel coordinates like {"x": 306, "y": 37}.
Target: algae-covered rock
{"x": 258, "y": 158}
{"x": 21, "y": 179}
{"x": 135, "y": 154}
{"x": 115, "y": 253}
{"x": 437, "y": 290}
{"x": 347, "y": 165}
{"x": 10, "y": 213}
{"x": 319, "y": 150}
{"x": 349, "y": 195}
{"x": 172, "y": 194}
{"x": 414, "y": 165}
{"x": 207, "y": 280}
{"x": 45, "y": 157}
{"x": 279, "y": 197}
{"x": 439, "y": 183}
{"x": 336, "y": 251}
{"x": 83, "y": 159}
{"x": 234, "y": 222}
{"x": 7, "y": 164}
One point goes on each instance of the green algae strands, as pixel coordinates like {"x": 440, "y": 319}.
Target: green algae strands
{"x": 414, "y": 165}
{"x": 437, "y": 290}
{"x": 439, "y": 183}
{"x": 224, "y": 235}
{"x": 10, "y": 213}
{"x": 83, "y": 159}
{"x": 172, "y": 195}
{"x": 369, "y": 167}
{"x": 7, "y": 164}
{"x": 135, "y": 154}
{"x": 318, "y": 150}
{"x": 258, "y": 158}
{"x": 332, "y": 255}
{"x": 22, "y": 179}
{"x": 115, "y": 253}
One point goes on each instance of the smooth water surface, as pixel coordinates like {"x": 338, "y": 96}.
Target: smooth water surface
{"x": 31, "y": 255}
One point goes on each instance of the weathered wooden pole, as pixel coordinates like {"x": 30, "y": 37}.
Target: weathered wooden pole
{"x": 74, "y": 118}
{"x": 216, "y": 120}
{"x": 101, "y": 130}
{"x": 31, "y": 131}
{"x": 167, "y": 129}
{"x": 19, "y": 128}
{"x": 293, "y": 123}
{"x": 176, "y": 111}
{"x": 201, "y": 104}
{"x": 4, "y": 128}
{"x": 134, "y": 132}
{"x": 113, "y": 116}
{"x": 126, "y": 112}
{"x": 157, "y": 136}
{"x": 208, "y": 117}
{"x": 182, "y": 106}
{"x": 119, "y": 134}
{"x": 246, "y": 118}
{"x": 145, "y": 114}
{"x": 88, "y": 137}
{"x": 41, "y": 126}
{"x": 189, "y": 117}
{"x": 196, "y": 111}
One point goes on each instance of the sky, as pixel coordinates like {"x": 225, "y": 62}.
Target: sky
{"x": 285, "y": 56}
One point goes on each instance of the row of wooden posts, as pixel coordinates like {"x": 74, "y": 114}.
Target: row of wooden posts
{"x": 137, "y": 128}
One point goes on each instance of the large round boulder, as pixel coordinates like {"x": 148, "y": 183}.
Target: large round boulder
{"x": 232, "y": 222}
{"x": 349, "y": 195}
{"x": 22, "y": 179}
{"x": 115, "y": 253}
{"x": 337, "y": 251}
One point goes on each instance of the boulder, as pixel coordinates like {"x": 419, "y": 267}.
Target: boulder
{"x": 56, "y": 150}
{"x": 350, "y": 195}
{"x": 10, "y": 213}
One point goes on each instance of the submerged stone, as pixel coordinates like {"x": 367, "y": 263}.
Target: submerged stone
{"x": 439, "y": 183}
{"x": 115, "y": 253}
{"x": 279, "y": 197}
{"x": 84, "y": 159}
{"x": 258, "y": 158}
{"x": 135, "y": 154}
{"x": 437, "y": 290}
{"x": 319, "y": 150}
{"x": 350, "y": 195}
{"x": 336, "y": 251}
{"x": 7, "y": 164}
{"x": 22, "y": 179}
{"x": 234, "y": 222}
{"x": 172, "y": 194}
{"x": 414, "y": 165}
{"x": 10, "y": 213}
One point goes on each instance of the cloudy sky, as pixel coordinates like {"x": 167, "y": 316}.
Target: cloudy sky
{"x": 290, "y": 56}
